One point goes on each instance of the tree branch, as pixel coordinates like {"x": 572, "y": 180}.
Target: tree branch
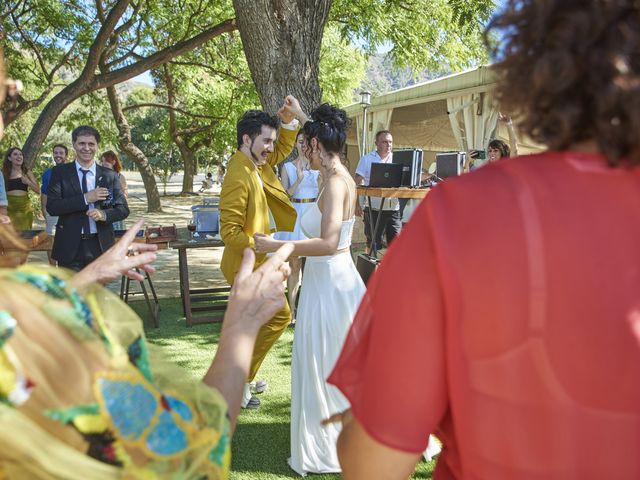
{"x": 31, "y": 45}
{"x": 170, "y": 107}
{"x": 193, "y": 131}
{"x": 161, "y": 57}
{"x": 130, "y": 53}
{"x": 210, "y": 69}
{"x": 106, "y": 30}
{"x": 12, "y": 10}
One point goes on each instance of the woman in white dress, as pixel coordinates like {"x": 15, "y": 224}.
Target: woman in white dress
{"x": 330, "y": 295}
{"x": 301, "y": 183}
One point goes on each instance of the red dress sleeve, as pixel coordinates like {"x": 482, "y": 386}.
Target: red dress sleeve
{"x": 392, "y": 366}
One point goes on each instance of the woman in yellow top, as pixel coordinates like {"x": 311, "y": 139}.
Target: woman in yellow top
{"x": 18, "y": 179}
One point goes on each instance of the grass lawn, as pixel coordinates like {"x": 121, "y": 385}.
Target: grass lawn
{"x": 261, "y": 441}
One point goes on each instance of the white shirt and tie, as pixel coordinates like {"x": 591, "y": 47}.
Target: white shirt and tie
{"x": 91, "y": 184}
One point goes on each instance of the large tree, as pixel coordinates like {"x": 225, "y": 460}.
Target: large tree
{"x": 124, "y": 20}
{"x": 282, "y": 42}
{"x": 206, "y": 90}
{"x": 282, "y": 39}
{"x": 96, "y": 44}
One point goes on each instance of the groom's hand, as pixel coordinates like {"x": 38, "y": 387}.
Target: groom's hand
{"x": 291, "y": 109}
{"x": 96, "y": 195}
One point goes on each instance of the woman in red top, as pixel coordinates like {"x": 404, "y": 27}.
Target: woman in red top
{"x": 518, "y": 350}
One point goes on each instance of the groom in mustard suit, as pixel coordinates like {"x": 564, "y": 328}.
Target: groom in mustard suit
{"x": 253, "y": 200}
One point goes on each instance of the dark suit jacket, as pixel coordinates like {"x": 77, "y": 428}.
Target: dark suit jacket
{"x": 66, "y": 201}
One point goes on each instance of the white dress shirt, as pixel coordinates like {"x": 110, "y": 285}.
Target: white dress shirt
{"x": 91, "y": 184}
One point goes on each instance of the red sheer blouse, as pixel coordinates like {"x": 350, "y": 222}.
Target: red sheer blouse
{"x": 501, "y": 320}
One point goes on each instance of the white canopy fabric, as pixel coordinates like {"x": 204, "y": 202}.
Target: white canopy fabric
{"x": 456, "y": 112}
{"x": 474, "y": 119}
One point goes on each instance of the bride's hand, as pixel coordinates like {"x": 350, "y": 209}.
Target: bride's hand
{"x": 264, "y": 243}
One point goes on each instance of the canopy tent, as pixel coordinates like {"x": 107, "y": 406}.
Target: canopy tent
{"x": 456, "y": 112}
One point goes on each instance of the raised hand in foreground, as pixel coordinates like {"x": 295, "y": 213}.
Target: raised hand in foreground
{"x": 255, "y": 297}
{"x": 121, "y": 259}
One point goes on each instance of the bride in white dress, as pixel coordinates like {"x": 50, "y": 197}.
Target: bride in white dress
{"x": 330, "y": 294}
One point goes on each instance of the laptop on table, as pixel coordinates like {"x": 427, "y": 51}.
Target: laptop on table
{"x": 386, "y": 175}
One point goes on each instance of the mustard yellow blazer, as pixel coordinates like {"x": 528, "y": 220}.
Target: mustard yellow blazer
{"x": 245, "y": 202}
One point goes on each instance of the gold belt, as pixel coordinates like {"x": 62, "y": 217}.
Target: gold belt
{"x": 303, "y": 200}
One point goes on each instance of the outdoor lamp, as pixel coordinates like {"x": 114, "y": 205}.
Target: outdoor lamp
{"x": 365, "y": 101}
{"x": 365, "y": 98}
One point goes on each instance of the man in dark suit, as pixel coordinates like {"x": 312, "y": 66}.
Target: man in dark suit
{"x": 87, "y": 198}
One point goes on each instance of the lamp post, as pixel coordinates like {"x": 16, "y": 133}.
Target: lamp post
{"x": 365, "y": 101}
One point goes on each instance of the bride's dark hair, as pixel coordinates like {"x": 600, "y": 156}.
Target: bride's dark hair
{"x": 329, "y": 125}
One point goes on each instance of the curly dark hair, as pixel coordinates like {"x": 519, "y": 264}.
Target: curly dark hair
{"x": 329, "y": 125}
{"x": 569, "y": 71}
{"x": 251, "y": 124}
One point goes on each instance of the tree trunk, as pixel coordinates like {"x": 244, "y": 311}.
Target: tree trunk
{"x": 187, "y": 154}
{"x": 189, "y": 160}
{"x": 126, "y": 144}
{"x": 281, "y": 41}
{"x": 49, "y": 115}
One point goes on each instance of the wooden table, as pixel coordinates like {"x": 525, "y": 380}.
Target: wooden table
{"x": 206, "y": 299}
{"x": 384, "y": 193}
{"x": 401, "y": 192}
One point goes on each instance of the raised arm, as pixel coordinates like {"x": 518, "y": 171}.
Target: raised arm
{"x": 513, "y": 140}
{"x": 284, "y": 145}
{"x": 288, "y": 113}
{"x": 31, "y": 181}
{"x": 292, "y": 187}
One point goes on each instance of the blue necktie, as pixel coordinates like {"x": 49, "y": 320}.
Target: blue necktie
{"x": 86, "y": 226}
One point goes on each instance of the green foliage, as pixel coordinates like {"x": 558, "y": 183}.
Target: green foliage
{"x": 213, "y": 88}
{"x": 47, "y": 42}
{"x": 149, "y": 132}
{"x": 442, "y": 35}
{"x": 342, "y": 68}
{"x": 91, "y": 109}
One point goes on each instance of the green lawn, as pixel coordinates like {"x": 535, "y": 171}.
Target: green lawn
{"x": 261, "y": 441}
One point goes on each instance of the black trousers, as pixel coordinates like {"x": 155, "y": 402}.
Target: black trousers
{"x": 88, "y": 251}
{"x": 390, "y": 224}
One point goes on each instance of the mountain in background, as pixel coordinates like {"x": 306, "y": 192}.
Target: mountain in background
{"x": 382, "y": 76}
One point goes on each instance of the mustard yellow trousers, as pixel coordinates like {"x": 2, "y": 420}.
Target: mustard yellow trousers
{"x": 267, "y": 336}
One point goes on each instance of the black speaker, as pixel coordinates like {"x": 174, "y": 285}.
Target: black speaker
{"x": 366, "y": 265}
{"x": 450, "y": 164}
{"x": 411, "y": 161}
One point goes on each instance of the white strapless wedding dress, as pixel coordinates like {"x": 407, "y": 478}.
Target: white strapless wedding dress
{"x": 329, "y": 297}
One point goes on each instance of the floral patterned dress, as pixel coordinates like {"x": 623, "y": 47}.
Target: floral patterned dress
{"x": 83, "y": 395}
